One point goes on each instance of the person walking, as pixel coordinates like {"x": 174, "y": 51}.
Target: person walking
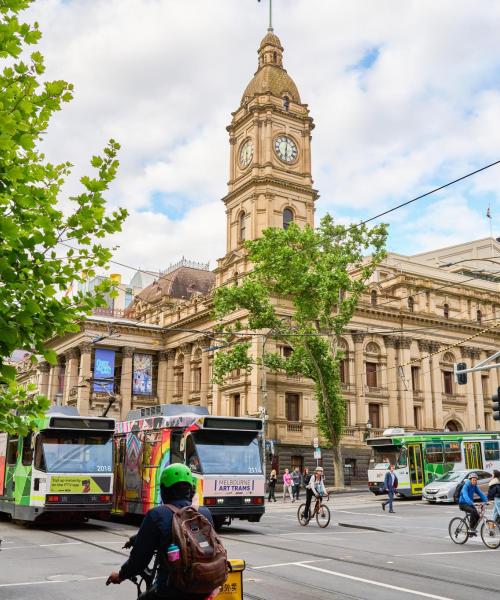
{"x": 297, "y": 481}
{"x": 390, "y": 485}
{"x": 494, "y": 494}
{"x": 305, "y": 477}
{"x": 287, "y": 485}
{"x": 273, "y": 477}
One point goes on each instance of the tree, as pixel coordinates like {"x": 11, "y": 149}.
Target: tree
{"x": 36, "y": 269}
{"x": 323, "y": 273}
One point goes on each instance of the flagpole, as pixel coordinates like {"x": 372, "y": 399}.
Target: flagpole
{"x": 488, "y": 214}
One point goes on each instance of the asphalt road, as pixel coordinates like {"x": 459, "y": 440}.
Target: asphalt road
{"x": 364, "y": 553}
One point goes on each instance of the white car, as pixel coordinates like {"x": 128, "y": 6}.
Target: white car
{"x": 443, "y": 488}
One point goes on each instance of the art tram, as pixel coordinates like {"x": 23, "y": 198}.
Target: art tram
{"x": 65, "y": 468}
{"x": 224, "y": 453}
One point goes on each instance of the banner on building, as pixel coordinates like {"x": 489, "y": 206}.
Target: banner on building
{"x": 142, "y": 382}
{"x": 104, "y": 371}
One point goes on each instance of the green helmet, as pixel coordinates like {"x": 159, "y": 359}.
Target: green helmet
{"x": 175, "y": 473}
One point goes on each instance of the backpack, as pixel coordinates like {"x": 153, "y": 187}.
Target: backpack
{"x": 458, "y": 491}
{"x": 202, "y": 566}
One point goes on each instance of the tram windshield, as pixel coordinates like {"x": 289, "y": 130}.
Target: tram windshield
{"x": 228, "y": 452}
{"x": 383, "y": 456}
{"x": 72, "y": 452}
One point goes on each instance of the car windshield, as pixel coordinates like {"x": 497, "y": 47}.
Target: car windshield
{"x": 233, "y": 453}
{"x": 452, "y": 476}
{"x": 74, "y": 453}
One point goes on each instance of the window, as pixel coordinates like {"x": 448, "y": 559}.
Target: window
{"x": 12, "y": 451}
{"x": 236, "y": 405}
{"x": 448, "y": 382}
{"x": 196, "y": 379}
{"x": 371, "y": 374}
{"x": 446, "y": 311}
{"x": 287, "y": 351}
{"x": 374, "y": 415}
{"x": 27, "y": 451}
{"x": 73, "y": 452}
{"x": 491, "y": 451}
{"x": 411, "y": 304}
{"x": 343, "y": 371}
{"x": 479, "y": 316}
{"x": 434, "y": 453}
{"x": 287, "y": 217}
{"x": 242, "y": 227}
{"x": 129, "y": 296}
{"x": 292, "y": 407}
{"x": 373, "y": 297}
{"x": 452, "y": 452}
{"x": 192, "y": 460}
{"x": 296, "y": 461}
{"x": 415, "y": 379}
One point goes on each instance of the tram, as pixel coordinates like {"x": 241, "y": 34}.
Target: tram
{"x": 65, "y": 468}
{"x": 420, "y": 457}
{"x": 224, "y": 453}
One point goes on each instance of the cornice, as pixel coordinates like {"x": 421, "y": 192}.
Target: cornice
{"x": 268, "y": 180}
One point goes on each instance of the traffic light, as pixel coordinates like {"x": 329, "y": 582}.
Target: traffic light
{"x": 460, "y": 378}
{"x": 496, "y": 405}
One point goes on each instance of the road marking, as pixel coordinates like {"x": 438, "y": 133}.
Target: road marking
{"x": 60, "y": 544}
{"x": 373, "y": 582}
{"x": 348, "y": 512}
{"x": 291, "y": 563}
{"x": 449, "y": 552}
{"x": 2, "y": 585}
{"x": 40, "y": 546}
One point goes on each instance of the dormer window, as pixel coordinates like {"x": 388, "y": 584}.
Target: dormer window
{"x": 287, "y": 217}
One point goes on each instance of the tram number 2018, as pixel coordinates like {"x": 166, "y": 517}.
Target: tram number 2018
{"x": 101, "y": 468}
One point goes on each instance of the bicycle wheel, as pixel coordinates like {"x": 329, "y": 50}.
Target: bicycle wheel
{"x": 300, "y": 515}
{"x": 458, "y": 530}
{"x": 323, "y": 516}
{"x": 490, "y": 534}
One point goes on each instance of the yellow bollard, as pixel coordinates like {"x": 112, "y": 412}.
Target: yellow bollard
{"x": 232, "y": 588}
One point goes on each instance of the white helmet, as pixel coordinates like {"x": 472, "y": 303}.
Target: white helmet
{"x": 319, "y": 469}
{"x": 472, "y": 475}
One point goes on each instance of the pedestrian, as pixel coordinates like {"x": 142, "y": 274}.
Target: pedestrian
{"x": 287, "y": 485}
{"x": 494, "y": 494}
{"x": 297, "y": 481}
{"x": 305, "y": 477}
{"x": 390, "y": 485}
{"x": 271, "y": 482}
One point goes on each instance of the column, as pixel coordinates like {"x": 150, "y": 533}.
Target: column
{"x": 471, "y": 405}
{"x": 170, "y": 385}
{"x": 205, "y": 371}
{"x": 71, "y": 380}
{"x": 55, "y": 371}
{"x": 424, "y": 347}
{"x": 437, "y": 385}
{"x": 161, "y": 382}
{"x": 43, "y": 384}
{"x": 404, "y": 383}
{"x": 126, "y": 381}
{"x": 478, "y": 390}
{"x": 85, "y": 379}
{"x": 392, "y": 384}
{"x": 186, "y": 384}
{"x": 359, "y": 373}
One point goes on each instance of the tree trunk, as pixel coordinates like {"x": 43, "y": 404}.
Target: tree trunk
{"x": 338, "y": 464}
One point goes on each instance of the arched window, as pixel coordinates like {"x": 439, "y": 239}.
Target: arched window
{"x": 446, "y": 311}
{"x": 287, "y": 217}
{"x": 373, "y": 298}
{"x": 411, "y": 304}
{"x": 448, "y": 357}
{"x": 479, "y": 316}
{"x": 242, "y": 227}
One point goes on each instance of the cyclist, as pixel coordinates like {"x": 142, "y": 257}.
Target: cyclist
{"x": 466, "y": 500}
{"x": 315, "y": 487}
{"x": 177, "y": 488}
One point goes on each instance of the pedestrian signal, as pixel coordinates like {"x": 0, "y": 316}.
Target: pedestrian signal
{"x": 460, "y": 378}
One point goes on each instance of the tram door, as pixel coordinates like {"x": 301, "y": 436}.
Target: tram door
{"x": 416, "y": 468}
{"x": 473, "y": 456}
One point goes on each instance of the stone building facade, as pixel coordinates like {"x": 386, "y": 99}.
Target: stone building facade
{"x": 419, "y": 316}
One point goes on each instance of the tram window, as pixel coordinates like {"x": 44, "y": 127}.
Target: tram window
{"x": 12, "y": 451}
{"x": 402, "y": 458}
{"x": 236, "y": 453}
{"x": 176, "y": 455}
{"x": 452, "y": 452}
{"x": 27, "y": 451}
{"x": 491, "y": 451}
{"x": 39, "y": 457}
{"x": 434, "y": 453}
{"x": 192, "y": 460}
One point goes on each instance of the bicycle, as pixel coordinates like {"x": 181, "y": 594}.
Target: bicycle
{"x": 460, "y": 529}
{"x": 320, "y": 511}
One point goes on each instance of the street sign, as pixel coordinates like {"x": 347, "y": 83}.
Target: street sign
{"x": 317, "y": 453}
{"x": 315, "y": 442}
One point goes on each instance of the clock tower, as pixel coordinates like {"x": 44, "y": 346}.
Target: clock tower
{"x": 270, "y": 181}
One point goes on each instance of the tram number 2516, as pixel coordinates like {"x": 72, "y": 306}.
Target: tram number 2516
{"x": 103, "y": 468}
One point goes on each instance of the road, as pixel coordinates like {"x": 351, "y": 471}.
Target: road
{"x": 364, "y": 553}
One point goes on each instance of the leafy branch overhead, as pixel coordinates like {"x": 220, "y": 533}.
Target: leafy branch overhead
{"x": 36, "y": 270}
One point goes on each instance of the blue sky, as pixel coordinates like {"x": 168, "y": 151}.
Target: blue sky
{"x": 405, "y": 95}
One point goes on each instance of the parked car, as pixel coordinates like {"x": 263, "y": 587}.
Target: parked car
{"x": 443, "y": 488}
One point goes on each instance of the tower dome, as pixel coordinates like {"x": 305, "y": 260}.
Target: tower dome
{"x": 271, "y": 77}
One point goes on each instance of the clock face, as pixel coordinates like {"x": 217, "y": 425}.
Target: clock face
{"x": 285, "y": 148}
{"x": 246, "y": 153}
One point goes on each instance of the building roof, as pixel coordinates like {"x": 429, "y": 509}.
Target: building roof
{"x": 180, "y": 284}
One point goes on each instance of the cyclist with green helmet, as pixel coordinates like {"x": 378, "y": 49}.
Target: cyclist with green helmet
{"x": 155, "y": 535}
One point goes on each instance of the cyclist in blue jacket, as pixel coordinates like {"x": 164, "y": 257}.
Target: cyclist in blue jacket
{"x": 466, "y": 500}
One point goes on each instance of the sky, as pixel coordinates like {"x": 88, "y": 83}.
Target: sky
{"x": 405, "y": 95}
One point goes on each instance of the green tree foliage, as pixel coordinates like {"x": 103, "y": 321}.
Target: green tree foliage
{"x": 35, "y": 269}
{"x": 322, "y": 272}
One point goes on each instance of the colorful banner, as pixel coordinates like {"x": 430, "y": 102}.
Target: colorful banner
{"x": 104, "y": 371}
{"x": 142, "y": 383}
{"x": 79, "y": 484}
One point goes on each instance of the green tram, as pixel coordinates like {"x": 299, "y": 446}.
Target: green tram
{"x": 420, "y": 457}
{"x": 64, "y": 468}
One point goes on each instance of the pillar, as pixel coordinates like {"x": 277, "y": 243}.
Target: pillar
{"x": 55, "y": 371}
{"x": 437, "y": 385}
{"x": 71, "y": 380}
{"x": 424, "y": 347}
{"x": 359, "y": 373}
{"x": 85, "y": 379}
{"x": 186, "y": 384}
{"x": 161, "y": 382}
{"x": 170, "y": 385}
{"x": 392, "y": 376}
{"x": 126, "y": 381}
{"x": 478, "y": 390}
{"x": 404, "y": 383}
{"x": 205, "y": 371}
{"x": 43, "y": 383}
{"x": 471, "y": 405}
